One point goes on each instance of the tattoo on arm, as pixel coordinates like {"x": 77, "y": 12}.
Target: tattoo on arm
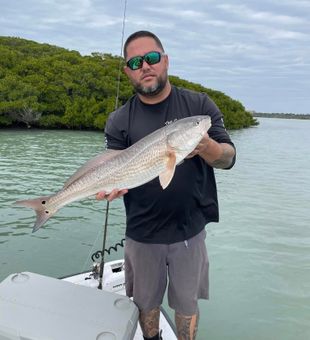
{"x": 149, "y": 322}
{"x": 226, "y": 158}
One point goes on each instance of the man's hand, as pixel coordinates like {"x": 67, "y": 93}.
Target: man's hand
{"x": 217, "y": 155}
{"x": 201, "y": 147}
{"x": 115, "y": 193}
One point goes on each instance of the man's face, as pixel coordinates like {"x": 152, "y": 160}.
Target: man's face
{"x": 149, "y": 80}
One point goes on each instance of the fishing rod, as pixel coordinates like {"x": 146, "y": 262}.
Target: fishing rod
{"x": 103, "y": 245}
{"x": 105, "y": 229}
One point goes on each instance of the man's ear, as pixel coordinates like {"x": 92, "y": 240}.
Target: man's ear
{"x": 167, "y": 61}
{"x": 126, "y": 70}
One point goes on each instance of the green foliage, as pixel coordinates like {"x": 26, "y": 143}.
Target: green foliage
{"x": 51, "y": 87}
{"x": 51, "y": 121}
{"x": 5, "y": 121}
{"x": 80, "y": 113}
{"x": 100, "y": 121}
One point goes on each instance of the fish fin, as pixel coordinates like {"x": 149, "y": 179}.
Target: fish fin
{"x": 43, "y": 213}
{"x": 92, "y": 163}
{"x": 166, "y": 176}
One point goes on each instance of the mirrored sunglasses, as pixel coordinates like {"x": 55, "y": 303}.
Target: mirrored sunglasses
{"x": 151, "y": 58}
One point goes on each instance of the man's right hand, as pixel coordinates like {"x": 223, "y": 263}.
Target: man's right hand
{"x": 115, "y": 193}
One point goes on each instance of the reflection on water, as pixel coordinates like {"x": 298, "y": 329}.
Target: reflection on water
{"x": 259, "y": 252}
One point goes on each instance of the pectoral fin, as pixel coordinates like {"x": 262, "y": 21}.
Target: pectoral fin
{"x": 166, "y": 176}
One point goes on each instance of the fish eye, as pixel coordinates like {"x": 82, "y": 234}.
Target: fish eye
{"x": 197, "y": 122}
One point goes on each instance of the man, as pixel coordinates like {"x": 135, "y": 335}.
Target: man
{"x": 165, "y": 233}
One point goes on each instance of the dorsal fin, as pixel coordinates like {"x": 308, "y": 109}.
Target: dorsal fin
{"x": 91, "y": 164}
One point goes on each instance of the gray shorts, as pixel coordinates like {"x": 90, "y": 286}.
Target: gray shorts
{"x": 185, "y": 264}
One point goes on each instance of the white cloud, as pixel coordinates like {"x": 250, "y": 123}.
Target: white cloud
{"x": 177, "y": 12}
{"x": 260, "y": 16}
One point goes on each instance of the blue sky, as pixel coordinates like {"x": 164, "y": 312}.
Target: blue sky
{"x": 257, "y": 52}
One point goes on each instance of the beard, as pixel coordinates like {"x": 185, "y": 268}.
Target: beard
{"x": 152, "y": 90}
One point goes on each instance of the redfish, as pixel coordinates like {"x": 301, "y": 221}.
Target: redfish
{"x": 157, "y": 154}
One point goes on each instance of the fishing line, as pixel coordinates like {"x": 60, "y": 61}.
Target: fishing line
{"x": 120, "y": 59}
{"x": 91, "y": 251}
{"x": 116, "y": 106}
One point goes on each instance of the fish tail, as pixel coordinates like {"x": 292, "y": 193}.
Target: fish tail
{"x": 39, "y": 205}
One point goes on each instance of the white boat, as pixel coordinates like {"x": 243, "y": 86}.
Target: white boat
{"x": 37, "y": 307}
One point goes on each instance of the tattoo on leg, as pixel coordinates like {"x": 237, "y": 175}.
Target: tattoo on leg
{"x": 196, "y": 324}
{"x": 187, "y": 326}
{"x": 149, "y": 322}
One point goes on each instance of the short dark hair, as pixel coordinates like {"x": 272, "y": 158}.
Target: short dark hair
{"x": 142, "y": 34}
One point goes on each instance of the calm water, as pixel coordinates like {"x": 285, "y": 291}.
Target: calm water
{"x": 259, "y": 252}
